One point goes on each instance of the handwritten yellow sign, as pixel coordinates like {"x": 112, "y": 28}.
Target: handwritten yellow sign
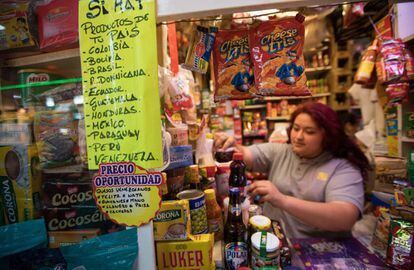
{"x": 126, "y": 197}
{"x": 120, "y": 82}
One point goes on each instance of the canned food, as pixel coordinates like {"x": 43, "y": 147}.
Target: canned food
{"x": 198, "y": 211}
{"x": 265, "y": 250}
{"x": 254, "y": 210}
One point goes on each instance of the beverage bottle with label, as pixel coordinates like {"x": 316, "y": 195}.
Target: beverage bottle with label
{"x": 238, "y": 177}
{"x": 214, "y": 216}
{"x": 235, "y": 234}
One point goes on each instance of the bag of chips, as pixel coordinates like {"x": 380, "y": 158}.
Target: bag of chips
{"x": 276, "y": 48}
{"x": 198, "y": 55}
{"x": 400, "y": 253}
{"x": 233, "y": 73}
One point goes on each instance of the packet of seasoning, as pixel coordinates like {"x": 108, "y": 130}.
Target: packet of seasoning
{"x": 199, "y": 52}
{"x": 276, "y": 48}
{"x": 233, "y": 72}
{"x": 400, "y": 253}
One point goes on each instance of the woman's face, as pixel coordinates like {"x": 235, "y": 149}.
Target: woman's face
{"x": 306, "y": 137}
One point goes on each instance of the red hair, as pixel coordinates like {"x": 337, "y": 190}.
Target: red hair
{"x": 335, "y": 139}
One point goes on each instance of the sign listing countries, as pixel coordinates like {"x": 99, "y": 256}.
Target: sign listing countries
{"x": 126, "y": 197}
{"x": 120, "y": 82}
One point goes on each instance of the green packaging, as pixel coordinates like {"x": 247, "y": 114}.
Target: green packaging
{"x": 29, "y": 76}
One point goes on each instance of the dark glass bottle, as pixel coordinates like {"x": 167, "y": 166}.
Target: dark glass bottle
{"x": 235, "y": 234}
{"x": 238, "y": 177}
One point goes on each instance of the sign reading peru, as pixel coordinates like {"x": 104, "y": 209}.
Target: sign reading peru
{"x": 126, "y": 196}
{"x": 118, "y": 52}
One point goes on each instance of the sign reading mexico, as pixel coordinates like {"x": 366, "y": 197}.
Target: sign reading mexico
{"x": 125, "y": 196}
{"x": 120, "y": 82}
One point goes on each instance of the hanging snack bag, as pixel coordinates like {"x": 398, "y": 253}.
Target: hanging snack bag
{"x": 391, "y": 65}
{"x": 198, "y": 55}
{"x": 56, "y": 138}
{"x": 276, "y": 48}
{"x": 409, "y": 64}
{"x": 233, "y": 71}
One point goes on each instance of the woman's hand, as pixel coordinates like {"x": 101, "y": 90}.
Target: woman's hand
{"x": 222, "y": 141}
{"x": 267, "y": 192}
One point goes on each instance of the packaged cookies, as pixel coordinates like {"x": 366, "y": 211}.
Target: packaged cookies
{"x": 276, "y": 47}
{"x": 233, "y": 71}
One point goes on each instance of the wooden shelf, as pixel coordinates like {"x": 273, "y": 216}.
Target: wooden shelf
{"x": 297, "y": 97}
{"x": 253, "y": 107}
{"x": 278, "y": 118}
{"x": 66, "y": 62}
{"x": 318, "y": 69}
{"x": 407, "y": 140}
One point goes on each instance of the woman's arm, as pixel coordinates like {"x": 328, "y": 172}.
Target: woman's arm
{"x": 328, "y": 216}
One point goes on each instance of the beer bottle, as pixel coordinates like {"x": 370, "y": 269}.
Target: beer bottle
{"x": 238, "y": 177}
{"x": 235, "y": 234}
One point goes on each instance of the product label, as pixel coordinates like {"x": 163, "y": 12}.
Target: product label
{"x": 235, "y": 255}
{"x": 214, "y": 225}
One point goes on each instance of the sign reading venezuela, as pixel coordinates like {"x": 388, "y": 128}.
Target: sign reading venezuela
{"x": 125, "y": 196}
{"x": 120, "y": 82}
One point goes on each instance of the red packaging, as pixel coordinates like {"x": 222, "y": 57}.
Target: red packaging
{"x": 397, "y": 92}
{"x": 58, "y": 24}
{"x": 409, "y": 64}
{"x": 276, "y": 48}
{"x": 233, "y": 73}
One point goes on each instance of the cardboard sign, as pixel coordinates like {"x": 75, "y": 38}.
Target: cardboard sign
{"x": 126, "y": 197}
{"x": 120, "y": 82}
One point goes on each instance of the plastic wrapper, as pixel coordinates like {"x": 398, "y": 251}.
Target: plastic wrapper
{"x": 276, "y": 48}
{"x": 113, "y": 251}
{"x": 397, "y": 92}
{"x": 400, "y": 252}
{"x": 56, "y": 138}
{"x": 15, "y": 16}
{"x": 57, "y": 24}
{"x": 233, "y": 70}
{"x": 43, "y": 258}
{"x": 179, "y": 91}
{"x": 367, "y": 65}
{"x": 409, "y": 64}
{"x": 390, "y": 65}
{"x": 198, "y": 55}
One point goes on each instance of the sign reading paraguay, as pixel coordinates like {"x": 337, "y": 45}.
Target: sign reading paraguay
{"x": 120, "y": 82}
{"x": 127, "y": 197}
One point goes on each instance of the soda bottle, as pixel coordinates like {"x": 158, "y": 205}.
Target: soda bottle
{"x": 235, "y": 234}
{"x": 238, "y": 177}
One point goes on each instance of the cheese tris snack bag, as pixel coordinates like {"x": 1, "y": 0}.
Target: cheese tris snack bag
{"x": 233, "y": 71}
{"x": 276, "y": 47}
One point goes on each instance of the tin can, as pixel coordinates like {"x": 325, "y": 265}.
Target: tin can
{"x": 254, "y": 210}
{"x": 198, "y": 213}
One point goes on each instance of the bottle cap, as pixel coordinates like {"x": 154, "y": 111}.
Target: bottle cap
{"x": 260, "y": 222}
{"x": 238, "y": 156}
{"x": 272, "y": 242}
{"x": 210, "y": 194}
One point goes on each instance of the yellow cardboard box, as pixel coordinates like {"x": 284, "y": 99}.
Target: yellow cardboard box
{"x": 172, "y": 221}
{"x": 20, "y": 182}
{"x": 194, "y": 254}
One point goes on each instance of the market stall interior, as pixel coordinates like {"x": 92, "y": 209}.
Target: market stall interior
{"x": 284, "y": 125}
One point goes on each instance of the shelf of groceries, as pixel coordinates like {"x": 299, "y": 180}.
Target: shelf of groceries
{"x": 207, "y": 220}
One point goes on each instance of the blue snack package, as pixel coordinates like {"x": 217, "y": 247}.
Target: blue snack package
{"x": 38, "y": 259}
{"x": 18, "y": 237}
{"x": 117, "y": 250}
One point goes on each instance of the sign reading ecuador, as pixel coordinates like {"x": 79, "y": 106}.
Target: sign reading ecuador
{"x": 120, "y": 82}
{"x": 126, "y": 197}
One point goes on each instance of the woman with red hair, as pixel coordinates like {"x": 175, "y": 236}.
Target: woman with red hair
{"x": 315, "y": 184}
